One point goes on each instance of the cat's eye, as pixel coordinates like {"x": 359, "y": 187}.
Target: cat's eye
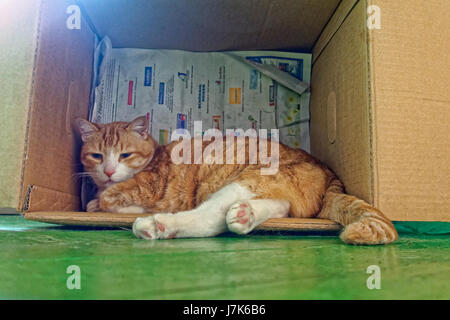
{"x": 124, "y": 155}
{"x": 97, "y": 156}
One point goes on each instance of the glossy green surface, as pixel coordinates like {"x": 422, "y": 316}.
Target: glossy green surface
{"x": 115, "y": 265}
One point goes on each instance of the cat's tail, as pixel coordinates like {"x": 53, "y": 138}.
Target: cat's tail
{"x": 363, "y": 224}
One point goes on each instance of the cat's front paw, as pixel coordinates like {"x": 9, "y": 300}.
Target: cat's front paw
{"x": 369, "y": 230}
{"x": 93, "y": 206}
{"x": 158, "y": 226}
{"x": 113, "y": 200}
{"x": 240, "y": 218}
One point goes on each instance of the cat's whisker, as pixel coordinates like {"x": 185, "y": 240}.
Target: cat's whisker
{"x": 81, "y": 175}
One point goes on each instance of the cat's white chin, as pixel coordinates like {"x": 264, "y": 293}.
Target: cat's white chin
{"x": 108, "y": 183}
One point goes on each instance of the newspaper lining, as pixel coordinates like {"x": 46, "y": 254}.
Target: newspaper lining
{"x": 175, "y": 88}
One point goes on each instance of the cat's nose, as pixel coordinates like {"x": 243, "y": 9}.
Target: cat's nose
{"x": 109, "y": 172}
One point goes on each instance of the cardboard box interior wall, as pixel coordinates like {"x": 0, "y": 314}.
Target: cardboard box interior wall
{"x": 380, "y": 103}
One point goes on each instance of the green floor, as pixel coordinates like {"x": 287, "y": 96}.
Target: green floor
{"x": 115, "y": 265}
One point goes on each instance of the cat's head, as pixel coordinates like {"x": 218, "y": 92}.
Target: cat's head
{"x": 115, "y": 151}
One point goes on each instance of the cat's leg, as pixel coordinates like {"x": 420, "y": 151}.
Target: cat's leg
{"x": 94, "y": 206}
{"x": 244, "y": 216}
{"x": 363, "y": 223}
{"x": 207, "y": 220}
{"x": 122, "y": 197}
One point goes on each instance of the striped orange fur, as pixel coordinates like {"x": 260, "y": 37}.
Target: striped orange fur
{"x": 148, "y": 179}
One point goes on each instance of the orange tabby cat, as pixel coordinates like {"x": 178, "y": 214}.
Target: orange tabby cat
{"x": 136, "y": 175}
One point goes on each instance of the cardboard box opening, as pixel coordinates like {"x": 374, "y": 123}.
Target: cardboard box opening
{"x": 348, "y": 100}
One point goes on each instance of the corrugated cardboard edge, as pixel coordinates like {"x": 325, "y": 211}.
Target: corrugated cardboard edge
{"x": 339, "y": 16}
{"x": 105, "y": 219}
{"x": 372, "y": 117}
{"x": 20, "y": 204}
{"x": 296, "y": 224}
{"x": 40, "y": 198}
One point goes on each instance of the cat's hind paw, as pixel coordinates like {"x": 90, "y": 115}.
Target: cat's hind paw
{"x": 152, "y": 228}
{"x": 369, "y": 231}
{"x": 240, "y": 218}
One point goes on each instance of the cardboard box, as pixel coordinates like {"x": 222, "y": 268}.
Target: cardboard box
{"x": 380, "y": 109}
{"x": 380, "y": 104}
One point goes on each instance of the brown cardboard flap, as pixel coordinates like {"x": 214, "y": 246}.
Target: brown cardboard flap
{"x": 333, "y": 26}
{"x": 40, "y": 198}
{"x": 105, "y": 219}
{"x": 200, "y": 25}
{"x": 62, "y": 82}
{"x": 18, "y": 28}
{"x": 340, "y": 118}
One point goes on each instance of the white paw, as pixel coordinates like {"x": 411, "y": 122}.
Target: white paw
{"x": 240, "y": 218}
{"x": 93, "y": 206}
{"x": 158, "y": 226}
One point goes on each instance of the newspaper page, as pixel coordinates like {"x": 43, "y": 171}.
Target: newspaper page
{"x": 175, "y": 88}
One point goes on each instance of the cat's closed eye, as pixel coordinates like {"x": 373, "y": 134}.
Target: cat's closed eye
{"x": 97, "y": 156}
{"x": 125, "y": 155}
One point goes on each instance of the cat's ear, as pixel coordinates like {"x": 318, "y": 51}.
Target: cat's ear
{"x": 86, "y": 128}
{"x": 139, "y": 125}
